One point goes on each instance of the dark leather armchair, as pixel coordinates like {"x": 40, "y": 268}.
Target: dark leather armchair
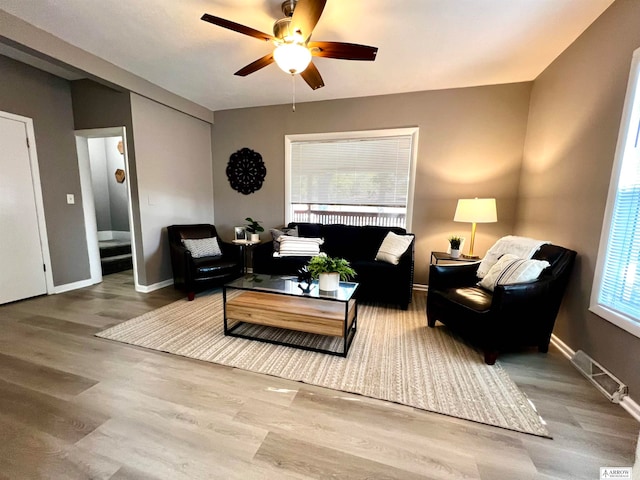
{"x": 511, "y": 316}
{"x": 196, "y": 274}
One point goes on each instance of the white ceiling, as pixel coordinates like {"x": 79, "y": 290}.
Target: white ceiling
{"x": 423, "y": 44}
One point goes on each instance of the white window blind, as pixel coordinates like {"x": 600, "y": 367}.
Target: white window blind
{"x": 616, "y": 292}
{"x": 355, "y": 178}
{"x": 620, "y": 289}
{"x": 370, "y": 172}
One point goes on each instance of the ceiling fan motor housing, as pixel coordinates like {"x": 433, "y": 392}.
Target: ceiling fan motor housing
{"x": 288, "y": 6}
{"x": 281, "y": 29}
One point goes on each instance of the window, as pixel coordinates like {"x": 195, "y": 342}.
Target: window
{"x": 616, "y": 290}
{"x": 355, "y": 178}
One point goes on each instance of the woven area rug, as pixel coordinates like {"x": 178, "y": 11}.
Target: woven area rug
{"x": 394, "y": 357}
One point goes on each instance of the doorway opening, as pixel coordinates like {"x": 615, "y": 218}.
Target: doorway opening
{"x": 106, "y": 196}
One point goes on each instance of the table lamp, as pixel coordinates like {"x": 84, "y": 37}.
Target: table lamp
{"x": 475, "y": 210}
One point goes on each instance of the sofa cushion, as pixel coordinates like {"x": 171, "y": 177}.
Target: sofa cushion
{"x": 207, "y": 267}
{"x": 298, "y": 246}
{"x": 510, "y": 269}
{"x": 277, "y": 234}
{"x": 308, "y": 230}
{"x": 343, "y": 241}
{"x": 202, "y": 247}
{"x": 392, "y": 248}
{"x": 473, "y": 298}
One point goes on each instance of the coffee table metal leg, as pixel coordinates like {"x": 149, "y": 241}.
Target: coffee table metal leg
{"x": 224, "y": 308}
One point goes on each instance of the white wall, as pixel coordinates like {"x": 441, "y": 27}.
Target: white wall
{"x": 118, "y": 199}
{"x": 99, "y": 183}
{"x": 175, "y": 179}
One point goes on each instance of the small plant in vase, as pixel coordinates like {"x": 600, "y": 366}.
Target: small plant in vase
{"x": 454, "y": 242}
{"x": 329, "y": 271}
{"x": 254, "y": 228}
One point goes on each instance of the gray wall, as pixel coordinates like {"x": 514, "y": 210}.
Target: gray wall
{"x": 470, "y": 145}
{"x": 170, "y": 167}
{"x": 46, "y": 99}
{"x": 25, "y": 36}
{"x": 576, "y": 107}
{"x": 174, "y": 176}
{"x": 97, "y": 106}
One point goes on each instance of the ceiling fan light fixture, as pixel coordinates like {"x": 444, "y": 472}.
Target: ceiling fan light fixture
{"x": 292, "y": 57}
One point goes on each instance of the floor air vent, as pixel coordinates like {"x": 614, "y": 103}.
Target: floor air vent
{"x": 604, "y": 381}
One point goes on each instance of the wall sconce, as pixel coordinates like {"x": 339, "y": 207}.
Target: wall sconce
{"x": 475, "y": 210}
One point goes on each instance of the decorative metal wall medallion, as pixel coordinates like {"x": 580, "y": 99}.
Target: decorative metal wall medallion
{"x": 246, "y": 171}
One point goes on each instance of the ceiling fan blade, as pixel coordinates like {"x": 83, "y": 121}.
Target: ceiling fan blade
{"x": 255, "y": 66}
{"x": 343, "y": 51}
{"x": 236, "y": 27}
{"x": 306, "y": 16}
{"x": 312, "y": 76}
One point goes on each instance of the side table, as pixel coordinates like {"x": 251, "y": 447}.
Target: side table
{"x": 437, "y": 257}
{"x": 245, "y": 245}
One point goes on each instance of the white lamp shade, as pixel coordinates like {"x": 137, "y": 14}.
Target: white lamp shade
{"x": 476, "y": 210}
{"x": 292, "y": 57}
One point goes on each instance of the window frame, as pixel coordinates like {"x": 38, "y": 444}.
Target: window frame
{"x": 352, "y": 135}
{"x": 632, "y": 97}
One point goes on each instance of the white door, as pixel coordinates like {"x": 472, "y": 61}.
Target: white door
{"x": 21, "y": 259}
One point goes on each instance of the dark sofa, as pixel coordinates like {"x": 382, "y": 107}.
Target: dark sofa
{"x": 379, "y": 281}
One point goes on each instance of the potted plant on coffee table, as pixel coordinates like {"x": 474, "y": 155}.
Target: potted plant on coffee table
{"x": 329, "y": 271}
{"x": 454, "y": 242}
{"x": 254, "y": 228}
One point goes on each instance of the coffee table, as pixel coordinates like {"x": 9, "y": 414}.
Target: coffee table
{"x": 280, "y": 302}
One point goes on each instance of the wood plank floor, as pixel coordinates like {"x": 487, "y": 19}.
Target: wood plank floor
{"x": 76, "y": 406}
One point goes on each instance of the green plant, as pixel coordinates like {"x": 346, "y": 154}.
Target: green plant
{"x": 455, "y": 242}
{"x": 253, "y": 226}
{"x": 324, "y": 264}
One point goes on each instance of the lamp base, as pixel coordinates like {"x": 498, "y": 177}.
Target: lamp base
{"x": 470, "y": 257}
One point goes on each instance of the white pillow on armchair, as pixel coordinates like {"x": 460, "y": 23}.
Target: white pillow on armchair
{"x": 522, "y": 247}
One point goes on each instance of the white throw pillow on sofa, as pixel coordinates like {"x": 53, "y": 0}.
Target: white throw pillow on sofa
{"x": 392, "y": 248}
{"x": 510, "y": 269}
{"x": 298, "y": 246}
{"x": 277, "y": 233}
{"x": 202, "y": 247}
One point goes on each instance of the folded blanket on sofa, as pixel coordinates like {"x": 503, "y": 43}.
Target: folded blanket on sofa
{"x": 522, "y": 247}
{"x": 298, "y": 246}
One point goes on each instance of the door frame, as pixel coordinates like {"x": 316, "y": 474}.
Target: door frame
{"x": 37, "y": 190}
{"x": 88, "y": 201}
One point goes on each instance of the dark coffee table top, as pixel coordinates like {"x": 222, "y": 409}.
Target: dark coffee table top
{"x": 289, "y": 285}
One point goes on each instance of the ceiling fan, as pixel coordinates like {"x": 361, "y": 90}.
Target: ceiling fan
{"x": 293, "y": 48}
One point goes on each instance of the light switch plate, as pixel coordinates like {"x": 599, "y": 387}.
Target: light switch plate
{"x": 71, "y": 199}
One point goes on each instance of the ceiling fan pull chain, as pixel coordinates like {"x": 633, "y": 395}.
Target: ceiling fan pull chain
{"x": 293, "y": 84}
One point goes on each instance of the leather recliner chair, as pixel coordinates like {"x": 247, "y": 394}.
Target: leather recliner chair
{"x": 196, "y": 274}
{"x": 511, "y": 316}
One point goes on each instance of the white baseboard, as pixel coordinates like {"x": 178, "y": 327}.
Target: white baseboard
{"x": 631, "y": 406}
{"x": 627, "y": 402}
{"x": 420, "y": 287}
{"x": 87, "y": 283}
{"x": 565, "y": 349}
{"x": 67, "y": 287}
{"x": 155, "y": 286}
